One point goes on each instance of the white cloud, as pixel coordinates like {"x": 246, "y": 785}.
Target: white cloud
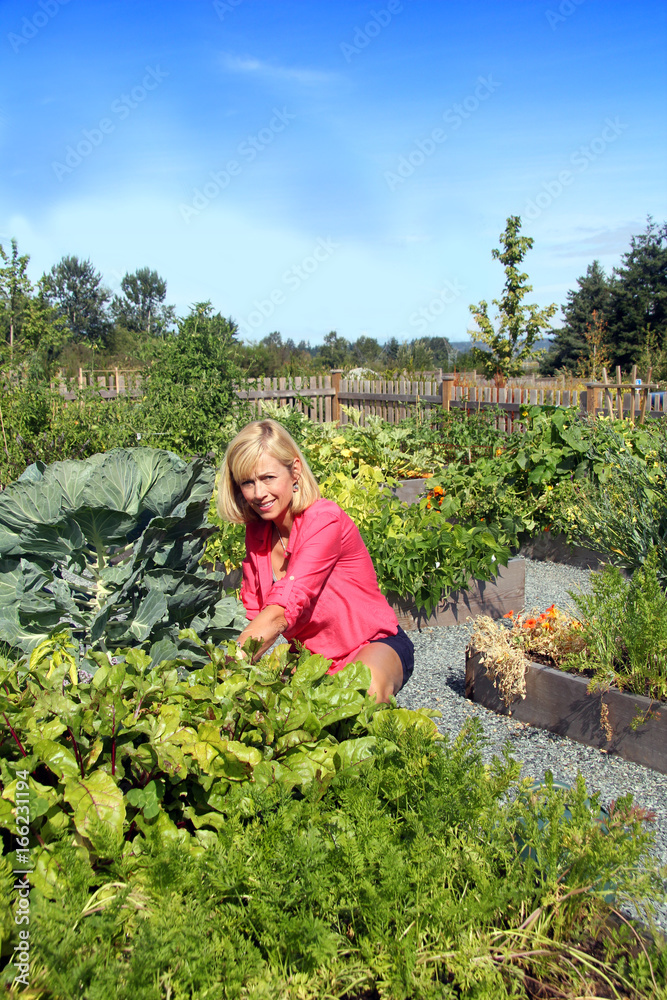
{"x": 305, "y": 77}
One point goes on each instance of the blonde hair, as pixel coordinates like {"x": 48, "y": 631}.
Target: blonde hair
{"x": 240, "y": 461}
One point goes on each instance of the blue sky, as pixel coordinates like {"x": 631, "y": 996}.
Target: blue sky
{"x": 310, "y": 166}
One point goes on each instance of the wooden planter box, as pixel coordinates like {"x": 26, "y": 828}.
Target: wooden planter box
{"x": 410, "y": 490}
{"x": 560, "y": 702}
{"x": 493, "y": 597}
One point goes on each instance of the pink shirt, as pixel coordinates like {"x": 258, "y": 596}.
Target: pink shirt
{"x": 330, "y": 594}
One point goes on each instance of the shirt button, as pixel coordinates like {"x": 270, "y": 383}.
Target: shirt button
{"x": 291, "y": 578}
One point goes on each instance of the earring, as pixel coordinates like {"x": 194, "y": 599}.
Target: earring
{"x": 295, "y": 488}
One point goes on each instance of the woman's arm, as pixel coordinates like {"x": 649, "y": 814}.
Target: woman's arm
{"x": 267, "y": 626}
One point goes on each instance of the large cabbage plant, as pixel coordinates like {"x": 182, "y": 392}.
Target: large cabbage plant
{"x": 109, "y": 548}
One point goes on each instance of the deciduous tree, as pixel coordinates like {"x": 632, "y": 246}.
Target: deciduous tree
{"x": 15, "y": 290}
{"x": 74, "y": 288}
{"x": 141, "y": 306}
{"x": 518, "y": 325}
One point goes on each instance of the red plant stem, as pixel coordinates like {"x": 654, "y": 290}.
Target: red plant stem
{"x": 77, "y": 752}
{"x": 18, "y": 742}
{"x": 113, "y": 742}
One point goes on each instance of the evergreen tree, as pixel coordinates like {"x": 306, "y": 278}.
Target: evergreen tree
{"x": 569, "y": 347}
{"x": 390, "y": 349}
{"x": 519, "y": 326}
{"x": 638, "y": 310}
{"x": 443, "y": 354}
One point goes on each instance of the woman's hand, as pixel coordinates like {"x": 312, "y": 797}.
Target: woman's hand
{"x": 266, "y": 626}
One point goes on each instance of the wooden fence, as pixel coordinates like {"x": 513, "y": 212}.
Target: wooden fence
{"x": 328, "y": 398}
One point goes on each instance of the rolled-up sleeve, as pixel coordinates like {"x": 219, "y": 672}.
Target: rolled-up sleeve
{"x": 319, "y": 548}
{"x": 250, "y": 585}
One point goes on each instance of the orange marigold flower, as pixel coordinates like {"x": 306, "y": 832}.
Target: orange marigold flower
{"x": 428, "y": 504}
{"x": 438, "y": 490}
{"x": 510, "y": 614}
{"x": 530, "y": 623}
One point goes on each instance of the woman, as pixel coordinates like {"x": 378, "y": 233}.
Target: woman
{"x": 307, "y": 573}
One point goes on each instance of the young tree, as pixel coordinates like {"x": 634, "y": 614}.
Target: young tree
{"x": 569, "y": 347}
{"x": 141, "y": 306}
{"x": 15, "y": 290}
{"x": 638, "y": 307}
{"x": 74, "y": 288}
{"x": 519, "y": 325}
{"x": 191, "y": 385}
{"x": 422, "y": 355}
{"x": 596, "y": 354}
{"x": 43, "y": 333}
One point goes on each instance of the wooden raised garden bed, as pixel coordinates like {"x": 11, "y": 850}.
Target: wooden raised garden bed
{"x": 490, "y": 597}
{"x": 561, "y": 703}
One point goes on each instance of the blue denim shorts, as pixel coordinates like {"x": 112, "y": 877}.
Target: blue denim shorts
{"x": 406, "y": 652}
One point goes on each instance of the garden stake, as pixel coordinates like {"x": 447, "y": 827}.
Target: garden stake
{"x": 2, "y": 424}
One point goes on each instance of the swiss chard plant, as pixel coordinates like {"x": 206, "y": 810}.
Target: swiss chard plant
{"x": 108, "y": 549}
{"x": 165, "y": 754}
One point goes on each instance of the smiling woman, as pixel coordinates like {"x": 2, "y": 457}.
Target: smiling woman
{"x": 307, "y": 574}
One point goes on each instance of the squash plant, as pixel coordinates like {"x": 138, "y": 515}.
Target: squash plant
{"x": 109, "y": 548}
{"x": 416, "y": 551}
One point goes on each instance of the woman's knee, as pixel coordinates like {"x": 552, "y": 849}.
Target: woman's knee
{"x": 386, "y": 670}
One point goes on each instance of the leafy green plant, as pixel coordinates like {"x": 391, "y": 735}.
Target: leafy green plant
{"x": 626, "y": 518}
{"x": 624, "y": 630}
{"x": 416, "y": 551}
{"x": 190, "y": 388}
{"x": 109, "y": 548}
{"x": 136, "y": 750}
{"x": 420, "y": 873}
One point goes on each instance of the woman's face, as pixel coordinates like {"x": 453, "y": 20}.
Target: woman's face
{"x": 269, "y": 491}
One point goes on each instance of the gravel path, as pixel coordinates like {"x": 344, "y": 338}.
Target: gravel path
{"x": 439, "y": 682}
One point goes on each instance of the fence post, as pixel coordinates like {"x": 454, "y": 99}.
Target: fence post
{"x": 335, "y": 385}
{"x": 446, "y": 391}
